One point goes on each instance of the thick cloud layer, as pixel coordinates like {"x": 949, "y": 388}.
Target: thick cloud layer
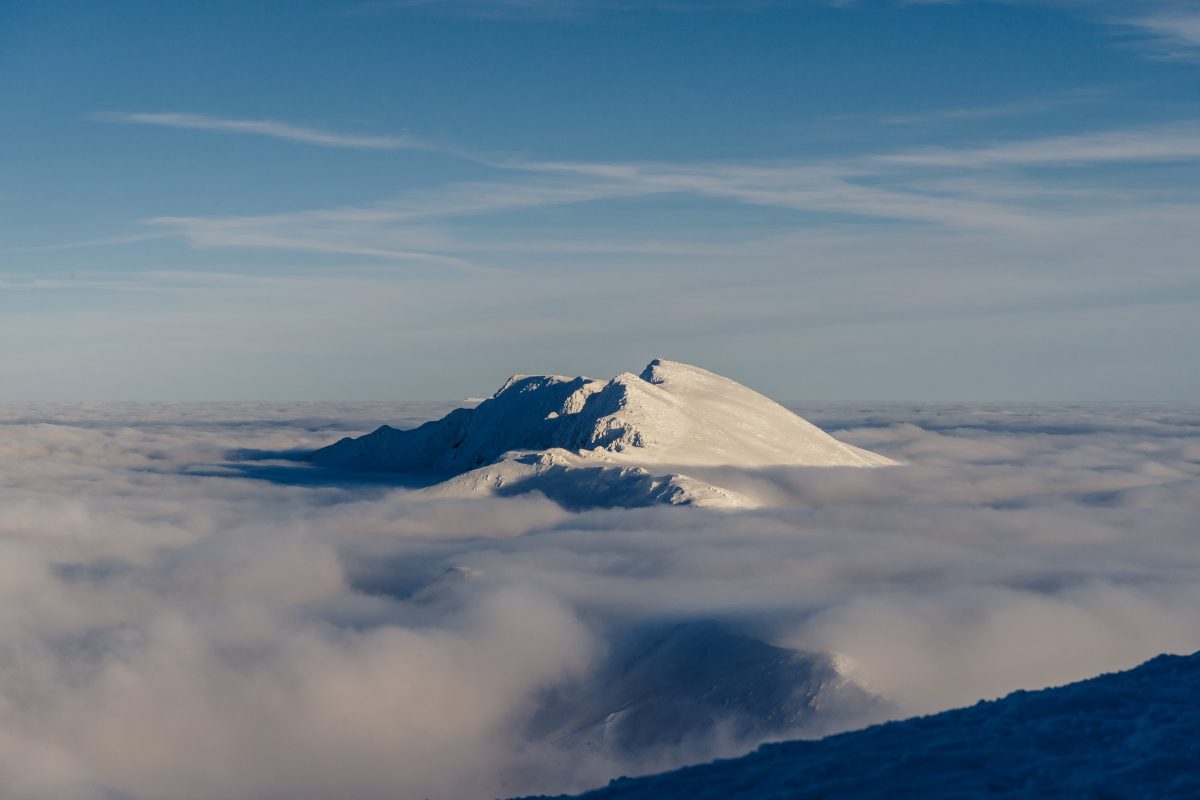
{"x": 180, "y": 617}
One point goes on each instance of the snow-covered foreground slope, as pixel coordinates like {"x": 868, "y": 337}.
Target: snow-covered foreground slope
{"x": 587, "y": 442}
{"x": 1133, "y": 734}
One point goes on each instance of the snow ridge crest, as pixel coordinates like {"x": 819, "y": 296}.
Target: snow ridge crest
{"x": 670, "y": 415}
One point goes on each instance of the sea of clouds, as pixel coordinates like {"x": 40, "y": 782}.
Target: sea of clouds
{"x": 186, "y": 612}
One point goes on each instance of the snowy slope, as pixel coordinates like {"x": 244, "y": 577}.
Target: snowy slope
{"x": 576, "y": 481}
{"x": 1132, "y": 734}
{"x": 616, "y": 442}
{"x": 681, "y": 415}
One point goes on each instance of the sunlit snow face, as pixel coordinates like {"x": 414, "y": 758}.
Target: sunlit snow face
{"x": 174, "y": 621}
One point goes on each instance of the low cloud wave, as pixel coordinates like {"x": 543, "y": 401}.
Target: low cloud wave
{"x": 181, "y": 617}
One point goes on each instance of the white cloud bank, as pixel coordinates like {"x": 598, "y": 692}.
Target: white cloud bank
{"x": 169, "y": 627}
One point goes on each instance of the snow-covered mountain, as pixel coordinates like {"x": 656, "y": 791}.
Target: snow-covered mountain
{"x": 584, "y": 442}
{"x": 1131, "y": 734}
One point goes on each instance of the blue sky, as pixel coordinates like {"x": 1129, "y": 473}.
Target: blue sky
{"x": 410, "y": 200}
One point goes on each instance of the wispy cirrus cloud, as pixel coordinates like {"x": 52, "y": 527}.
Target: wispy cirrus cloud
{"x": 417, "y": 225}
{"x": 1163, "y": 29}
{"x": 1176, "y": 142}
{"x": 356, "y": 232}
{"x": 837, "y": 188}
{"x": 83, "y": 243}
{"x": 403, "y": 228}
{"x": 951, "y": 189}
{"x": 1174, "y": 31}
{"x": 1168, "y": 28}
{"x": 1028, "y": 106}
{"x": 270, "y": 129}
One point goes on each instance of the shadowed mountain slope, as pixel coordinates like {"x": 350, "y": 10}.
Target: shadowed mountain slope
{"x": 1133, "y": 734}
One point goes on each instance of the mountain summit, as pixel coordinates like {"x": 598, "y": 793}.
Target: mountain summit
{"x": 586, "y": 442}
